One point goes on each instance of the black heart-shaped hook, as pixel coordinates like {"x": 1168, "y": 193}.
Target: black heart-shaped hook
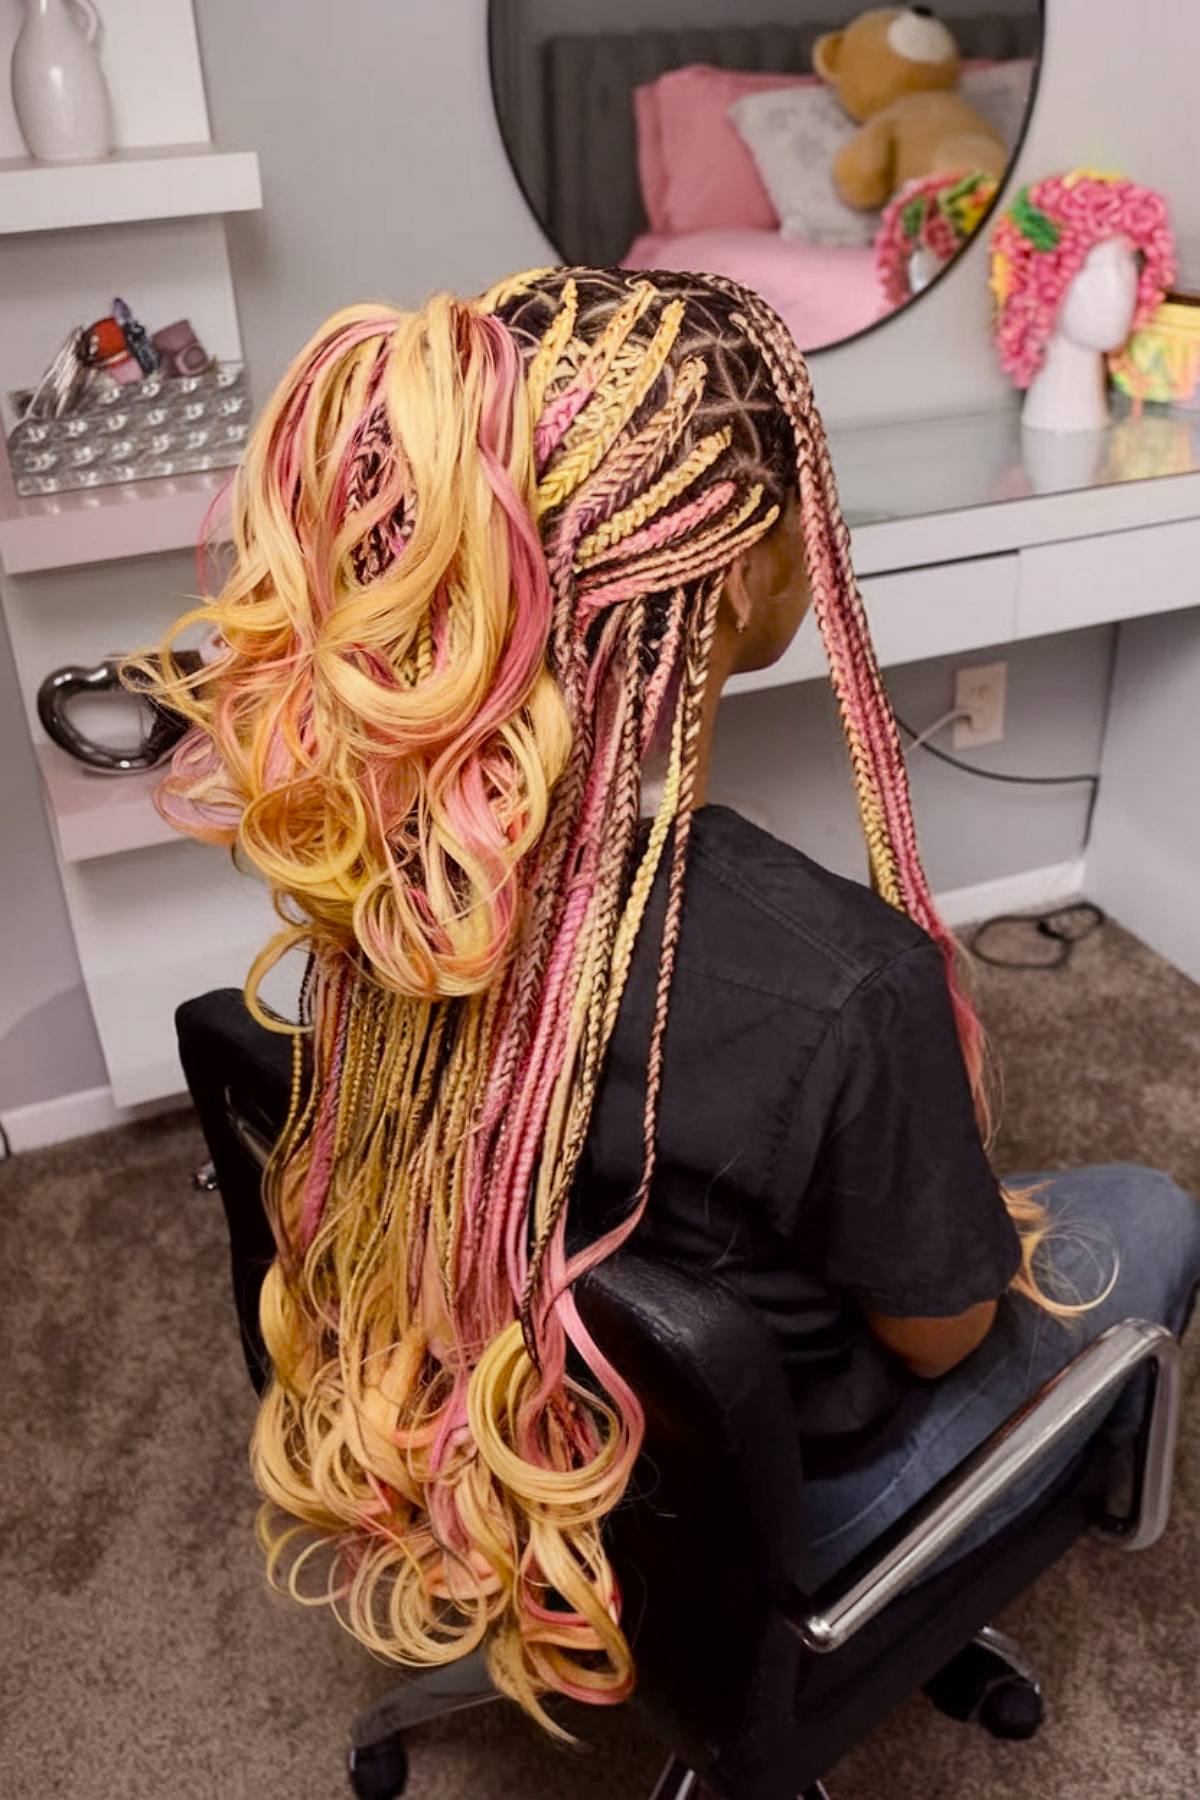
{"x": 164, "y": 728}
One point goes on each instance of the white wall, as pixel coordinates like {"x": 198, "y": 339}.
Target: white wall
{"x": 48, "y": 1043}
{"x": 781, "y": 757}
{"x": 383, "y": 171}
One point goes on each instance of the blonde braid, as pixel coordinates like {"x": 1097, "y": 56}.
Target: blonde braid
{"x": 615, "y": 406}
{"x": 661, "y": 494}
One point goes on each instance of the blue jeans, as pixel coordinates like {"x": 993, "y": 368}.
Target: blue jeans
{"x": 1120, "y": 1215}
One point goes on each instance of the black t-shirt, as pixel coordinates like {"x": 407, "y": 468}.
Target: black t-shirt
{"x": 817, "y": 1143}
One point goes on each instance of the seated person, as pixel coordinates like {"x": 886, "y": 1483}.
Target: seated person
{"x": 494, "y": 560}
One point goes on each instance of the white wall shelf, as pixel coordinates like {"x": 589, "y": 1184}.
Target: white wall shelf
{"x": 99, "y": 815}
{"x": 170, "y": 181}
{"x": 104, "y": 569}
{"x": 154, "y": 928}
{"x": 134, "y": 518}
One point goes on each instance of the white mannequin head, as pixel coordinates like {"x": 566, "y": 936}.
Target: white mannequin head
{"x": 1068, "y": 394}
{"x": 1098, "y": 309}
{"x": 923, "y": 265}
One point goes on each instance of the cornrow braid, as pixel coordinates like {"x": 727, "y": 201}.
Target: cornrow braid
{"x": 633, "y": 463}
{"x": 661, "y": 493}
{"x": 480, "y": 551}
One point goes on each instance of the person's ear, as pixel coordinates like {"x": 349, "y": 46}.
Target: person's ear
{"x": 737, "y": 594}
{"x": 826, "y": 52}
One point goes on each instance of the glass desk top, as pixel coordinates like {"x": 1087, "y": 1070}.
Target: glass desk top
{"x": 914, "y": 468}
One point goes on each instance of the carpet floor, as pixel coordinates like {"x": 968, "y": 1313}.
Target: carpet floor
{"x": 141, "y": 1656}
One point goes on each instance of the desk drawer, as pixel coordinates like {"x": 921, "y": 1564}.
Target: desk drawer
{"x": 915, "y": 614}
{"x": 941, "y": 610}
{"x": 1122, "y": 575}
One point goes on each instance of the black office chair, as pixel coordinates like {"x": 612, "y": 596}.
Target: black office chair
{"x": 755, "y": 1688}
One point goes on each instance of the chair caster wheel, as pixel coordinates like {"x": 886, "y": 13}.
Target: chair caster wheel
{"x": 379, "y": 1771}
{"x": 989, "y": 1682}
{"x": 1012, "y": 1709}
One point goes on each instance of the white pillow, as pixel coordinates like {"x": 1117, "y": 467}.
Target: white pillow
{"x": 1000, "y": 95}
{"x": 793, "y": 134}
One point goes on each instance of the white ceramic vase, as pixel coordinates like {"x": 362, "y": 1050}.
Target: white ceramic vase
{"x": 58, "y": 87}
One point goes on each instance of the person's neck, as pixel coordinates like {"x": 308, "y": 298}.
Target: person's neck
{"x": 1069, "y": 391}
{"x": 720, "y": 668}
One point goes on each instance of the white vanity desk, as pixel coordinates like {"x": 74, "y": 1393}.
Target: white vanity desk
{"x": 957, "y": 550}
{"x": 967, "y": 532}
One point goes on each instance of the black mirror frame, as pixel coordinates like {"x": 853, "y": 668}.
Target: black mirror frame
{"x": 864, "y": 331}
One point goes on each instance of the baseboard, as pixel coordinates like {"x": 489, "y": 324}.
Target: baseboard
{"x": 45, "y": 1122}
{"x": 1025, "y": 891}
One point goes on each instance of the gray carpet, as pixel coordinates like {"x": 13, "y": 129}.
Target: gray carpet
{"x": 141, "y": 1657}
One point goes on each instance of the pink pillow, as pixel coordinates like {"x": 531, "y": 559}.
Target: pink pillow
{"x": 696, "y": 173}
{"x": 652, "y": 168}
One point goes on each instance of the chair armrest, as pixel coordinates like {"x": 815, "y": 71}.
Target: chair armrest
{"x": 1000, "y": 1462}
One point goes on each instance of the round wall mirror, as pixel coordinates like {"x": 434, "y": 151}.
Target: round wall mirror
{"x": 836, "y": 160}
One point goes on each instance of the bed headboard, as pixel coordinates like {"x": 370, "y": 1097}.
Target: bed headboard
{"x": 588, "y": 156}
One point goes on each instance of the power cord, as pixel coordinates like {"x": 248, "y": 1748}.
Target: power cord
{"x": 948, "y": 718}
{"x": 919, "y": 740}
{"x": 1046, "y": 924}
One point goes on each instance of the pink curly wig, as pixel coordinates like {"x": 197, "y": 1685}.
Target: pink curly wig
{"x": 938, "y": 213}
{"x": 1041, "y": 242}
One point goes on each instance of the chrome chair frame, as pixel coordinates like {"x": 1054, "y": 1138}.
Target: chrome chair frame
{"x": 1012, "y": 1452}
{"x": 991, "y": 1471}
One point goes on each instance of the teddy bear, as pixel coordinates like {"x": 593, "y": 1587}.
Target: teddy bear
{"x": 895, "y": 70}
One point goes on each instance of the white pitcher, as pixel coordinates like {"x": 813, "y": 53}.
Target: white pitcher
{"x": 58, "y": 87}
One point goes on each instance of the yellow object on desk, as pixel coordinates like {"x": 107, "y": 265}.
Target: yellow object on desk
{"x": 1161, "y": 361}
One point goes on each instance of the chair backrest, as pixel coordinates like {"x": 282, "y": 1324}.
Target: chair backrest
{"x": 238, "y": 1072}
{"x": 707, "y": 1538}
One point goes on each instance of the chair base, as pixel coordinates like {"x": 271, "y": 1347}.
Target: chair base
{"x": 379, "y": 1771}
{"x": 990, "y": 1683}
{"x": 378, "y": 1763}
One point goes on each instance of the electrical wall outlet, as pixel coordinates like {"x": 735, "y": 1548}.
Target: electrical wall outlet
{"x": 981, "y": 693}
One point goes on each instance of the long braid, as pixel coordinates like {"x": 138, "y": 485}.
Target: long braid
{"x": 479, "y": 557}
{"x": 877, "y": 757}
{"x": 691, "y": 708}
{"x": 862, "y": 697}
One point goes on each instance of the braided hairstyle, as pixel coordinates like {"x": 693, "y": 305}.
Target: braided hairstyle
{"x": 478, "y": 555}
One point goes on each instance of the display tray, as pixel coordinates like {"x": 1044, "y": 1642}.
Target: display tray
{"x": 165, "y": 425}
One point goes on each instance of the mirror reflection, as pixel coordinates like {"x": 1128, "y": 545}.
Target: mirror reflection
{"x": 836, "y": 161}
